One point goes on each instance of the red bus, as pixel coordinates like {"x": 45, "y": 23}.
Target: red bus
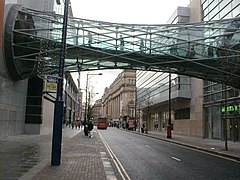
{"x": 102, "y": 123}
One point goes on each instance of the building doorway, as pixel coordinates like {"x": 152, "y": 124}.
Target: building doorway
{"x": 235, "y": 130}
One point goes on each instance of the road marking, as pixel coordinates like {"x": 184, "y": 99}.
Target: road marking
{"x": 148, "y": 146}
{"x": 176, "y": 159}
{"x": 209, "y": 153}
{"x": 117, "y": 163}
{"x": 107, "y": 167}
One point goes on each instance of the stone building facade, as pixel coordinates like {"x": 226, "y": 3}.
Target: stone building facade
{"x": 96, "y": 111}
{"x": 119, "y": 99}
{"x": 14, "y": 95}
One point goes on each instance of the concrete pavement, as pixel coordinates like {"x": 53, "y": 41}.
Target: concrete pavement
{"x": 81, "y": 159}
{"x": 28, "y": 156}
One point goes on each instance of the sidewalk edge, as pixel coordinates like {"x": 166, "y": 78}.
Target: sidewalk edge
{"x": 237, "y": 159}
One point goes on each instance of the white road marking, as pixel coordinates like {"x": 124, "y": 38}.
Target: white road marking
{"x": 116, "y": 161}
{"x": 147, "y": 146}
{"x": 176, "y": 159}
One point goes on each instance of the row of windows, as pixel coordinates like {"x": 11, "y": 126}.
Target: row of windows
{"x": 131, "y": 81}
{"x": 182, "y": 114}
{"x": 214, "y": 94}
{"x": 220, "y": 9}
{"x": 69, "y": 102}
{"x": 179, "y": 114}
{"x": 152, "y": 86}
{"x": 70, "y": 87}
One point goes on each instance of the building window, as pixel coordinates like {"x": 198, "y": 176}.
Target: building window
{"x": 182, "y": 114}
{"x": 132, "y": 94}
{"x": 132, "y": 113}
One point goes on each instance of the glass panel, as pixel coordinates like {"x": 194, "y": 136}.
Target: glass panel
{"x": 225, "y": 12}
{"x": 224, "y": 3}
{"x": 95, "y": 45}
{"x": 236, "y": 11}
{"x": 204, "y": 5}
{"x": 235, "y": 3}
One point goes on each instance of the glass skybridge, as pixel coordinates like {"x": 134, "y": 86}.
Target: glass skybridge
{"x": 206, "y": 50}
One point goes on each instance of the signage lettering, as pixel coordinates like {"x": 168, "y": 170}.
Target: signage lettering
{"x": 230, "y": 108}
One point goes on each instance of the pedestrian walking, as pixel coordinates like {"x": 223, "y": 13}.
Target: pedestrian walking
{"x": 121, "y": 43}
{"x": 127, "y": 126}
{"x": 192, "y": 52}
{"x": 79, "y": 124}
{"x": 141, "y": 47}
{"x": 210, "y": 51}
{"x": 90, "y": 128}
{"x": 142, "y": 128}
{"x": 72, "y": 123}
{"x": 89, "y": 38}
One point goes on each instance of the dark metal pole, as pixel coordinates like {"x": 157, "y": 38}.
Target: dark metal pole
{"x": 86, "y": 103}
{"x": 225, "y": 119}
{"x": 135, "y": 107}
{"x": 88, "y": 109}
{"x": 58, "y": 110}
{"x": 86, "y": 106}
{"x": 169, "y": 126}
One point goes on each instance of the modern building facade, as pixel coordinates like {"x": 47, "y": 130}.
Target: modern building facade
{"x": 169, "y": 98}
{"x": 119, "y": 99}
{"x": 41, "y": 96}
{"x": 201, "y": 107}
{"x": 219, "y": 96}
{"x": 13, "y": 94}
{"x": 17, "y": 97}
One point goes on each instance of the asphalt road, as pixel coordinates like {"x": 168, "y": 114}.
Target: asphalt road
{"x": 148, "y": 158}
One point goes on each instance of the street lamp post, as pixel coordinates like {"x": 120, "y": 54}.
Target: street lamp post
{"x": 58, "y": 110}
{"x": 86, "y": 102}
{"x": 89, "y": 108}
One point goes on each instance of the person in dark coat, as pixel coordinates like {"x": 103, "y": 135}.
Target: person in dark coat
{"x": 90, "y": 128}
{"x": 142, "y": 128}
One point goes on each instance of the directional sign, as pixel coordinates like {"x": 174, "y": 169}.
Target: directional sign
{"x": 51, "y": 78}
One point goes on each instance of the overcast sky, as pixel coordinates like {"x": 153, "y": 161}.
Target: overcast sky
{"x": 124, "y": 11}
{"x": 127, "y": 11}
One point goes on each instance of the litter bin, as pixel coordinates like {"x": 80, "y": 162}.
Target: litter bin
{"x": 169, "y": 131}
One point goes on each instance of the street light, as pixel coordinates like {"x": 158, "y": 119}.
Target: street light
{"x": 86, "y": 102}
{"x": 89, "y": 108}
{"x": 136, "y": 109}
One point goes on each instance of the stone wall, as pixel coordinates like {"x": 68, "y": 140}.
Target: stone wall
{"x": 12, "y": 102}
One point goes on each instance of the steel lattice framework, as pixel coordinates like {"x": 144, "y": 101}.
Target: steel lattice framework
{"x": 206, "y": 50}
